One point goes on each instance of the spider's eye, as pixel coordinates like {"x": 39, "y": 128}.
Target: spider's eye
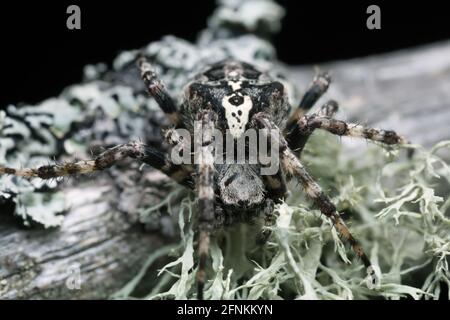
{"x": 236, "y": 100}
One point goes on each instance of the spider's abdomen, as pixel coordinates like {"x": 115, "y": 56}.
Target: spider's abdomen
{"x": 240, "y": 186}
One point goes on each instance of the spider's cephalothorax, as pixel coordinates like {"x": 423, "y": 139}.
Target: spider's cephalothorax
{"x": 235, "y": 91}
{"x": 232, "y": 97}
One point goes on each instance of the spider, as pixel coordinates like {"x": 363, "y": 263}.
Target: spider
{"x": 233, "y": 96}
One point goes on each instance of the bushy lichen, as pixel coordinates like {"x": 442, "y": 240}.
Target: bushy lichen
{"x": 391, "y": 204}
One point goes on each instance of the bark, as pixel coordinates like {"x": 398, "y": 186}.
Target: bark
{"x": 408, "y": 91}
{"x": 105, "y": 244}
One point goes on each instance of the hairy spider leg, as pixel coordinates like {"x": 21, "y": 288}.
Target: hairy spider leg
{"x": 293, "y": 167}
{"x": 300, "y": 137}
{"x": 206, "y": 195}
{"x": 157, "y": 90}
{"x": 316, "y": 89}
{"x": 276, "y": 191}
{"x": 308, "y": 123}
{"x": 105, "y": 160}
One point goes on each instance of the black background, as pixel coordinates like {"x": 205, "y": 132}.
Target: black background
{"x": 39, "y": 56}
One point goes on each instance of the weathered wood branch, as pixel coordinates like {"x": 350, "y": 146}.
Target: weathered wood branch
{"x": 408, "y": 91}
{"x": 106, "y": 245}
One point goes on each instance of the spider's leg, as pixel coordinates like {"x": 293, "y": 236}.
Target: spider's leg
{"x": 105, "y": 160}
{"x": 276, "y": 192}
{"x": 269, "y": 220}
{"x": 181, "y": 146}
{"x": 159, "y": 160}
{"x": 293, "y": 167}
{"x": 275, "y": 186}
{"x": 205, "y": 187}
{"x": 157, "y": 90}
{"x": 316, "y": 89}
{"x": 308, "y": 123}
{"x": 297, "y": 137}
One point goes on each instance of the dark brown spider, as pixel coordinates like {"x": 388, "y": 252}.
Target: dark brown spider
{"x": 232, "y": 97}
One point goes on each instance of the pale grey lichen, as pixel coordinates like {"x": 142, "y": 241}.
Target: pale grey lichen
{"x": 396, "y": 214}
{"x": 262, "y": 17}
